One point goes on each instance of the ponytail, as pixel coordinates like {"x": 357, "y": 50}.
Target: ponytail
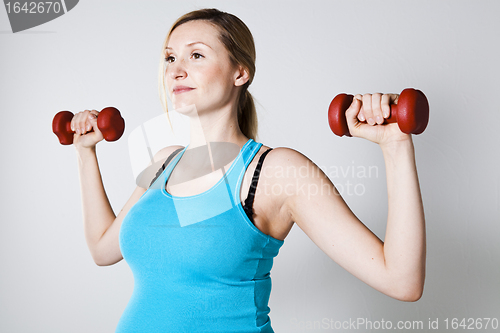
{"x": 247, "y": 115}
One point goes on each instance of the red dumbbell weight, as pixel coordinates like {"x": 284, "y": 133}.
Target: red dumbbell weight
{"x": 109, "y": 122}
{"x": 411, "y": 113}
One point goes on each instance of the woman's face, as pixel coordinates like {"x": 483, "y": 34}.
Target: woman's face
{"x": 199, "y": 71}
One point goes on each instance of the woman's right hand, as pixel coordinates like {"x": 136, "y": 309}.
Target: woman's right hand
{"x": 83, "y": 123}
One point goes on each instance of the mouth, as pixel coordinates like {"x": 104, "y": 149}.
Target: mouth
{"x": 181, "y": 89}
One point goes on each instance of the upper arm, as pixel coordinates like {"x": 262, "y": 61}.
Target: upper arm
{"x": 318, "y": 209}
{"x": 108, "y": 247}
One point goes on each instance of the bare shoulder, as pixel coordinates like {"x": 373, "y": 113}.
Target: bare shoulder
{"x": 283, "y": 157}
{"x": 285, "y": 174}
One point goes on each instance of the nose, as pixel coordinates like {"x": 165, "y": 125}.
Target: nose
{"x": 177, "y": 70}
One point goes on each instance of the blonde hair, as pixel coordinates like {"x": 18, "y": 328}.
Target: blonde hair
{"x": 238, "y": 40}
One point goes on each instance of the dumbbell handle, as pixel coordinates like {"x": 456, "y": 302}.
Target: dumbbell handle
{"x": 109, "y": 122}
{"x": 411, "y": 113}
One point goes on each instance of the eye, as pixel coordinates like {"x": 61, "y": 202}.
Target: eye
{"x": 196, "y": 55}
{"x": 169, "y": 59}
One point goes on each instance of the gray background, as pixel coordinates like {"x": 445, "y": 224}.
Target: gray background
{"x": 105, "y": 53}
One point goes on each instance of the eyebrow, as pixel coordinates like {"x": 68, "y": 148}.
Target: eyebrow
{"x": 190, "y": 44}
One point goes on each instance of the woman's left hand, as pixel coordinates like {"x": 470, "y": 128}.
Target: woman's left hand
{"x": 366, "y": 115}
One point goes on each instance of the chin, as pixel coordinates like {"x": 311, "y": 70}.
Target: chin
{"x": 186, "y": 109}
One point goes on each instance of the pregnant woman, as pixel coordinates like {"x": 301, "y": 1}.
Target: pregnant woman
{"x": 201, "y": 243}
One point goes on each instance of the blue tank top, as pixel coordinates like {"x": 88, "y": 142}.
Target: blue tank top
{"x": 199, "y": 263}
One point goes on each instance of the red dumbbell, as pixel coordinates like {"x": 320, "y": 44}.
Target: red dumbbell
{"x": 109, "y": 122}
{"x": 411, "y": 113}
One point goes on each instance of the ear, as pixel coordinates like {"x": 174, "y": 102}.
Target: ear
{"x": 241, "y": 76}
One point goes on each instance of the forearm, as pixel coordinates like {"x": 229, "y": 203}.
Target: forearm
{"x": 404, "y": 245}
{"x": 97, "y": 212}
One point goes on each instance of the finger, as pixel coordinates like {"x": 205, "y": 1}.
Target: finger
{"x": 84, "y": 122}
{"x": 361, "y": 116}
{"x": 88, "y": 117}
{"x": 377, "y": 109}
{"x": 352, "y": 113}
{"x": 72, "y": 123}
{"x": 91, "y": 120}
{"x": 367, "y": 109}
{"x": 74, "y": 126}
{"x": 94, "y": 114}
{"x": 385, "y": 105}
{"x": 76, "y": 122}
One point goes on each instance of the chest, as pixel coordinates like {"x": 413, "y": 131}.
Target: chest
{"x": 266, "y": 206}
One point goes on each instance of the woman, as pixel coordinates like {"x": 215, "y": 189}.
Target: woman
{"x": 201, "y": 249}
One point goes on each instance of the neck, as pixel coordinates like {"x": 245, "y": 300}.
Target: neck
{"x": 214, "y": 126}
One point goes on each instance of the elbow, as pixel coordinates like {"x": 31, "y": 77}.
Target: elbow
{"x": 103, "y": 263}
{"x": 101, "y": 260}
{"x": 103, "y": 257}
{"x": 407, "y": 287}
{"x": 98, "y": 261}
{"x": 413, "y": 295}
{"x": 409, "y": 293}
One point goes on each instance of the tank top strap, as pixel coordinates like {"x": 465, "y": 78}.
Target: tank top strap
{"x": 248, "y": 152}
{"x": 164, "y": 172}
{"x": 162, "y": 168}
{"x": 248, "y": 206}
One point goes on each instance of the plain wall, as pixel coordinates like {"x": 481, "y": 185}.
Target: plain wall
{"x": 105, "y": 53}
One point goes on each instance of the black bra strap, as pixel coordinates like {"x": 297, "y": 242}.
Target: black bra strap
{"x": 165, "y": 165}
{"x": 248, "y": 207}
